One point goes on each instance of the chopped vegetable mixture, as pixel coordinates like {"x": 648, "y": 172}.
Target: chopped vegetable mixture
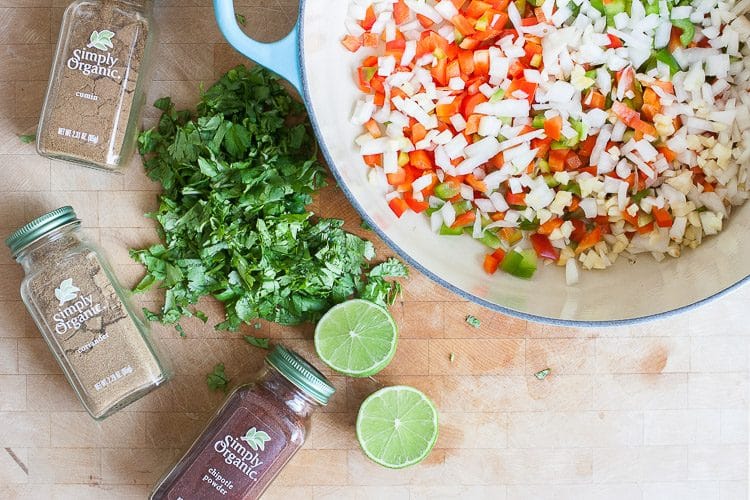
{"x": 566, "y": 131}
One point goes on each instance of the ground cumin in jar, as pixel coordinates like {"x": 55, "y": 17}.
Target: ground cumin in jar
{"x": 254, "y": 434}
{"x": 83, "y": 315}
{"x": 97, "y": 84}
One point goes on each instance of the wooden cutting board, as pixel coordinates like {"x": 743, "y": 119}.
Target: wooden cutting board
{"x": 654, "y": 411}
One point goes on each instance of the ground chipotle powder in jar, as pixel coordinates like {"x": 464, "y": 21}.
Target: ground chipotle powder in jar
{"x": 254, "y": 434}
{"x": 97, "y": 84}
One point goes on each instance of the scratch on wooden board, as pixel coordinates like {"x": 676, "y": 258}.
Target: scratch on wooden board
{"x": 17, "y": 460}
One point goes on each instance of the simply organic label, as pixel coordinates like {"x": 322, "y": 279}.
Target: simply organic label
{"x": 74, "y": 308}
{"x": 234, "y": 463}
{"x": 99, "y": 61}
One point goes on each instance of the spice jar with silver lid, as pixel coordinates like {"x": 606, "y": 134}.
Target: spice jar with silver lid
{"x": 83, "y": 314}
{"x": 98, "y": 83}
{"x": 253, "y": 435}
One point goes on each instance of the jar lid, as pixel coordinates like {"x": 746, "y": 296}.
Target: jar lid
{"x": 39, "y": 227}
{"x": 301, "y": 373}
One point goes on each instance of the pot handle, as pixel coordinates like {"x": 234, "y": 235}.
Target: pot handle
{"x": 281, "y": 57}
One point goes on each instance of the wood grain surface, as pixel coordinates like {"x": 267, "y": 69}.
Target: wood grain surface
{"x": 653, "y": 411}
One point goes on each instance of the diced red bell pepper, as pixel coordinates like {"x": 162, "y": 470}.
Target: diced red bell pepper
{"x": 398, "y": 206}
{"x": 464, "y": 220}
{"x": 490, "y": 264}
{"x": 517, "y": 199}
{"x": 352, "y": 43}
{"x": 592, "y": 238}
{"x": 553, "y": 127}
{"x": 400, "y": 12}
{"x": 543, "y": 247}
{"x": 662, "y": 217}
{"x": 416, "y": 206}
{"x": 420, "y": 159}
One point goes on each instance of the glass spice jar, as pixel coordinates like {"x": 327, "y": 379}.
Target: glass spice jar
{"x": 82, "y": 313}
{"x": 253, "y": 435}
{"x": 97, "y": 83}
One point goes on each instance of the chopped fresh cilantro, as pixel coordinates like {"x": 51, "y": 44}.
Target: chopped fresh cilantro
{"x": 237, "y": 176}
{"x": 241, "y": 19}
{"x": 542, "y": 374}
{"x": 27, "y": 138}
{"x": 473, "y": 321}
{"x": 257, "y": 342}
{"x": 217, "y": 379}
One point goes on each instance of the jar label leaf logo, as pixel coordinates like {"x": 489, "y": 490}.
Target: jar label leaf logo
{"x": 67, "y": 291}
{"x": 256, "y": 439}
{"x": 101, "y": 40}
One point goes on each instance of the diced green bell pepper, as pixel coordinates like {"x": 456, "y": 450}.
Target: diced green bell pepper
{"x": 446, "y": 190}
{"x": 538, "y": 121}
{"x": 667, "y": 58}
{"x": 580, "y": 128}
{"x": 528, "y": 225}
{"x": 489, "y": 238}
{"x": 461, "y": 207}
{"x": 450, "y": 231}
{"x": 551, "y": 181}
{"x": 520, "y": 264}
{"x": 368, "y": 72}
{"x": 573, "y": 187}
{"x": 497, "y": 96}
{"x": 637, "y": 197}
{"x": 688, "y": 30}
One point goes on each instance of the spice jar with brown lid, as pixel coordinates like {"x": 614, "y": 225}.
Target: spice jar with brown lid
{"x": 254, "y": 434}
{"x": 83, "y": 314}
{"x": 97, "y": 83}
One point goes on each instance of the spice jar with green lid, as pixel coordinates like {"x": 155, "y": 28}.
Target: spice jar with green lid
{"x": 98, "y": 83}
{"x": 253, "y": 435}
{"x": 103, "y": 348}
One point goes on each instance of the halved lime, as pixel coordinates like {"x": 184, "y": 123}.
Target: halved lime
{"x": 356, "y": 338}
{"x": 397, "y": 426}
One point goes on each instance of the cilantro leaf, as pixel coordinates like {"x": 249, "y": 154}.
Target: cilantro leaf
{"x": 27, "y": 138}
{"x": 257, "y": 342}
{"x": 542, "y": 374}
{"x": 217, "y": 379}
{"x": 238, "y": 174}
{"x": 473, "y": 321}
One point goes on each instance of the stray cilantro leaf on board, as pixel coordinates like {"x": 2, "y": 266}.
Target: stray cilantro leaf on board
{"x": 217, "y": 379}
{"x": 364, "y": 225}
{"x": 237, "y": 176}
{"x": 473, "y": 321}
{"x": 542, "y": 374}
{"x": 27, "y": 138}
{"x": 257, "y": 342}
{"x": 241, "y": 19}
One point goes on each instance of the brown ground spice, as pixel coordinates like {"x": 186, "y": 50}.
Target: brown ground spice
{"x": 102, "y": 344}
{"x": 93, "y": 99}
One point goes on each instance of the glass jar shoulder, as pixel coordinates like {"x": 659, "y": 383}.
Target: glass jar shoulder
{"x": 277, "y": 409}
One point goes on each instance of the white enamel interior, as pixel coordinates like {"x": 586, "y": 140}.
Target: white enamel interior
{"x": 624, "y": 292}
